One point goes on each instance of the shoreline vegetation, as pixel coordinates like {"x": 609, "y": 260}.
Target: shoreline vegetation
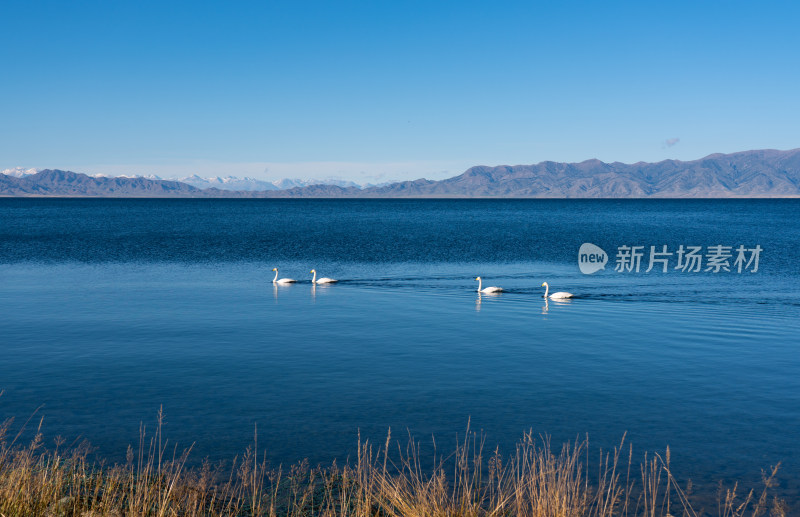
{"x": 388, "y": 480}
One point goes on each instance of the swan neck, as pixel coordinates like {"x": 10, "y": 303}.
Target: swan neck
{"x": 546, "y": 290}
{"x": 314, "y": 280}
{"x": 276, "y": 277}
{"x": 480, "y": 284}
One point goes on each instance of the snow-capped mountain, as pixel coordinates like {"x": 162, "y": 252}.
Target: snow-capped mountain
{"x": 145, "y": 176}
{"x": 228, "y": 183}
{"x": 19, "y": 172}
{"x": 255, "y": 185}
{"x": 288, "y": 183}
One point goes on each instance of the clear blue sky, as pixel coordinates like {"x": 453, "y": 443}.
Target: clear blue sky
{"x": 390, "y": 89}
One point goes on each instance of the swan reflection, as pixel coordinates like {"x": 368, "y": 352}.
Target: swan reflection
{"x": 479, "y": 299}
{"x": 563, "y": 302}
{"x": 276, "y": 288}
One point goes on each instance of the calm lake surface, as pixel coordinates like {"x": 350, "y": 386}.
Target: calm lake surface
{"x": 110, "y": 309}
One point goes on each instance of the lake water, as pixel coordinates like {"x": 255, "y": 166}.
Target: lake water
{"x": 110, "y": 309}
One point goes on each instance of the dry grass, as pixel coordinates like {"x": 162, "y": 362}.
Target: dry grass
{"x": 390, "y": 481}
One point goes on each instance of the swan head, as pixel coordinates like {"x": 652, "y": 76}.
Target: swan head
{"x": 544, "y": 284}
{"x": 274, "y": 269}
{"x": 477, "y": 278}
{"x": 313, "y": 271}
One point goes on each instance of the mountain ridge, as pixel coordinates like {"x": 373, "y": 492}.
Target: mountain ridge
{"x": 756, "y": 173}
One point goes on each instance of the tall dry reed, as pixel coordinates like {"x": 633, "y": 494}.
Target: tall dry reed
{"x": 537, "y": 480}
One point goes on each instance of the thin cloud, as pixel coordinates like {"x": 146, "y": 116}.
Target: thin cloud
{"x": 670, "y": 142}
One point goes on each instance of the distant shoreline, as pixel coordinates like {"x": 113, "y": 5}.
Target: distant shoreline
{"x": 750, "y": 174}
{"x": 397, "y": 198}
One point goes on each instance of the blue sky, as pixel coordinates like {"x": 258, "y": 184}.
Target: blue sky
{"x": 390, "y": 90}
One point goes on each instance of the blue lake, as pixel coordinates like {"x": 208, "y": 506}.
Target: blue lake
{"x": 110, "y": 309}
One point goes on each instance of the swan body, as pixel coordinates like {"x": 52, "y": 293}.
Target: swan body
{"x": 488, "y": 289}
{"x": 323, "y": 280}
{"x": 282, "y": 280}
{"x": 561, "y": 295}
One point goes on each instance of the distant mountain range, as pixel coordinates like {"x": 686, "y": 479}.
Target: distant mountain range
{"x": 763, "y": 173}
{"x": 222, "y": 183}
{"x": 71, "y": 184}
{"x": 254, "y": 185}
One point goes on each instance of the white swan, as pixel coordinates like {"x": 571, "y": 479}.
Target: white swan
{"x": 555, "y": 296}
{"x": 282, "y": 280}
{"x": 488, "y": 289}
{"x": 323, "y": 280}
